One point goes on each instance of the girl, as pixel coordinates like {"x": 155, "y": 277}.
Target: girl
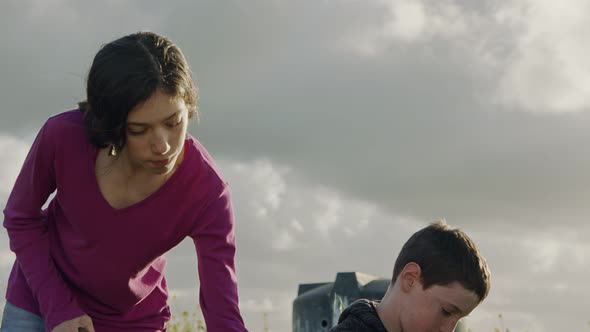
{"x": 130, "y": 184}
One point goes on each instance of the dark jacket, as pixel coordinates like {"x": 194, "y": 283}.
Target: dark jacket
{"x": 360, "y": 316}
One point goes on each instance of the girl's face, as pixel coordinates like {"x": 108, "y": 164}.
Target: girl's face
{"x": 156, "y": 130}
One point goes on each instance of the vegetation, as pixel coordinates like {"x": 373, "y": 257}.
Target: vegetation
{"x": 186, "y": 323}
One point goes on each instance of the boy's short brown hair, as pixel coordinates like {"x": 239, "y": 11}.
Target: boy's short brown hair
{"x": 445, "y": 255}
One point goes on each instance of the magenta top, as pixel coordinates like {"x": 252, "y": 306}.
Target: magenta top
{"x": 82, "y": 256}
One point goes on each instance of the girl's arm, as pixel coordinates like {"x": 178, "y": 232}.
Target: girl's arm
{"x": 28, "y": 230}
{"x": 215, "y": 244}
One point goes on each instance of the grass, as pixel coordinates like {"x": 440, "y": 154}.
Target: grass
{"x": 186, "y": 323}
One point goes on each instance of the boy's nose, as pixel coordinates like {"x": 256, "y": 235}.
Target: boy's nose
{"x": 449, "y": 325}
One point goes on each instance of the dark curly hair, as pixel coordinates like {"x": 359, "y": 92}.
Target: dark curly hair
{"x": 125, "y": 73}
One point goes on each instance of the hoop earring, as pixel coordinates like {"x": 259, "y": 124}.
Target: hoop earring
{"x": 112, "y": 151}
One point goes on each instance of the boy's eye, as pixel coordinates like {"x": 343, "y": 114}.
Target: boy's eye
{"x": 445, "y": 312}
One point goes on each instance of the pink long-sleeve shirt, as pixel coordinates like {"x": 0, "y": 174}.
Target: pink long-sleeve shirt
{"x": 82, "y": 256}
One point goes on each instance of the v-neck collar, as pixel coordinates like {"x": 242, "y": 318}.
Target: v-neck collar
{"x": 100, "y": 196}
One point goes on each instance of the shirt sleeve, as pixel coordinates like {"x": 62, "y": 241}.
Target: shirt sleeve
{"x": 28, "y": 232}
{"x": 214, "y": 240}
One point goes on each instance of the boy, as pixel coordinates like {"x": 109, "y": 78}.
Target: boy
{"x": 439, "y": 277}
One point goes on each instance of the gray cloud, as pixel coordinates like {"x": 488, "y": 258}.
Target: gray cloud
{"x": 531, "y": 268}
{"x": 410, "y": 120}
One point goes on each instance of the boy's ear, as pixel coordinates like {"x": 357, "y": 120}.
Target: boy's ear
{"x": 410, "y": 277}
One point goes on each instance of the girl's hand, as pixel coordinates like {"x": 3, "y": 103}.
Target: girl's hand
{"x": 79, "y": 324}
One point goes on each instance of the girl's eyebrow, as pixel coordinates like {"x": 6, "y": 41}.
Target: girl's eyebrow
{"x": 147, "y": 124}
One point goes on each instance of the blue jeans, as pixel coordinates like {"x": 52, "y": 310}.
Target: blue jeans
{"x": 16, "y": 319}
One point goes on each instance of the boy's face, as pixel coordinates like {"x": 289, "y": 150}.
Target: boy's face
{"x": 436, "y": 309}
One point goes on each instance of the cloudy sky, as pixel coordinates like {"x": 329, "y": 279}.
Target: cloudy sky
{"x": 343, "y": 126}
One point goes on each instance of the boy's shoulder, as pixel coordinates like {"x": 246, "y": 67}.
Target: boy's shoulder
{"x": 360, "y": 316}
